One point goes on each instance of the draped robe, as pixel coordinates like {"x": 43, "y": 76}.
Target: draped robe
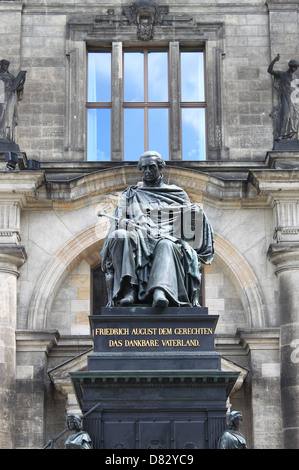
{"x": 231, "y": 439}
{"x": 163, "y": 246}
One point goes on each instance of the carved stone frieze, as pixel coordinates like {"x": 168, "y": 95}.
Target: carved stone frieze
{"x": 145, "y": 15}
{"x": 138, "y": 20}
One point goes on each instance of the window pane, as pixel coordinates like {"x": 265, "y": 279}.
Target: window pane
{"x": 133, "y": 76}
{"x": 133, "y": 134}
{"x": 157, "y": 76}
{"x": 98, "y": 134}
{"x": 99, "y": 76}
{"x": 158, "y": 131}
{"x": 192, "y": 76}
{"x": 194, "y": 134}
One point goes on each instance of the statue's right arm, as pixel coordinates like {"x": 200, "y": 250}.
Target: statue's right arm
{"x": 270, "y": 68}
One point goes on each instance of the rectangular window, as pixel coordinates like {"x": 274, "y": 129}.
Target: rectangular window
{"x": 99, "y": 106}
{"x": 99, "y": 134}
{"x": 157, "y": 106}
{"x": 145, "y": 103}
{"x": 193, "y": 106}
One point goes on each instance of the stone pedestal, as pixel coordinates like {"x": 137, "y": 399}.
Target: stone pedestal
{"x": 156, "y": 378}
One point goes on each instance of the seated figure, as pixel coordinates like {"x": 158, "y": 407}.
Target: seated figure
{"x": 154, "y": 249}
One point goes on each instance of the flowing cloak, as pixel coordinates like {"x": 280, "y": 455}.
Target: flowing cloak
{"x": 9, "y": 98}
{"x": 288, "y": 109}
{"x": 232, "y": 440}
{"x": 163, "y": 212}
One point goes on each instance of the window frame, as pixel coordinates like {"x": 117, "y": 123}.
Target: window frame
{"x": 146, "y": 104}
{"x": 110, "y": 29}
{"x": 174, "y": 103}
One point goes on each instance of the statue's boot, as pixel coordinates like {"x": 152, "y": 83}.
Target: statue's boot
{"x": 130, "y": 297}
{"x": 159, "y": 299}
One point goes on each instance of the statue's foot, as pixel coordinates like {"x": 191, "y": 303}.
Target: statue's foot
{"x": 129, "y": 299}
{"x": 159, "y": 299}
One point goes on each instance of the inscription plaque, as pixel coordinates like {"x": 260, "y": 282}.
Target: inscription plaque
{"x": 163, "y": 335}
{"x": 146, "y": 338}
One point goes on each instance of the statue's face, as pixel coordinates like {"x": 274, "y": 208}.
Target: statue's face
{"x": 73, "y": 423}
{"x": 4, "y": 66}
{"x": 150, "y": 169}
{"x": 238, "y": 422}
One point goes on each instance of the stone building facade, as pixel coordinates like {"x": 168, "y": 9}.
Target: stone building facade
{"x": 50, "y": 236}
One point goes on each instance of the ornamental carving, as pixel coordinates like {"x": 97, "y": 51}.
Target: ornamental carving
{"x": 145, "y": 15}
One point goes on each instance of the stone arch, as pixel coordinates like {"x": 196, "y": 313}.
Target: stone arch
{"x": 86, "y": 244}
{"x": 90, "y": 241}
{"x": 235, "y": 266}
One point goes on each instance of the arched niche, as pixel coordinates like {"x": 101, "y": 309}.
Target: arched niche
{"x": 87, "y": 245}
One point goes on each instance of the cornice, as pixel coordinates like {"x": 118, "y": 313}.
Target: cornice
{"x": 17, "y": 186}
{"x": 12, "y": 257}
{"x": 221, "y": 184}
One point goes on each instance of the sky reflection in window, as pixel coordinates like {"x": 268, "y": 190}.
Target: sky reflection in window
{"x": 133, "y": 134}
{"x": 99, "y": 76}
{"x": 157, "y": 76}
{"x": 158, "y": 131}
{"x": 192, "y": 76}
{"x": 133, "y": 76}
{"x": 194, "y": 134}
{"x": 98, "y": 134}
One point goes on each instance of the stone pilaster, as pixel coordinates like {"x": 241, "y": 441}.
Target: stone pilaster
{"x": 285, "y": 256}
{"x": 11, "y": 258}
{"x": 14, "y": 189}
{"x": 31, "y": 382}
{"x": 263, "y": 347}
{"x": 281, "y": 186}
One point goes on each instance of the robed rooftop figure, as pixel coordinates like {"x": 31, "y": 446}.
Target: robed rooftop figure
{"x": 153, "y": 252}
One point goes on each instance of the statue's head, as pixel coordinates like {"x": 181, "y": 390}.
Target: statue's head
{"x": 74, "y": 422}
{"x": 152, "y": 154}
{"x": 4, "y": 64}
{"x": 151, "y": 163}
{"x": 235, "y": 419}
{"x": 293, "y": 65}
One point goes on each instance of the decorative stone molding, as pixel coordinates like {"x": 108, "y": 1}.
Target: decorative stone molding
{"x": 282, "y": 190}
{"x": 145, "y": 14}
{"x": 229, "y": 366}
{"x": 285, "y": 256}
{"x": 9, "y": 223}
{"x": 259, "y": 338}
{"x": 138, "y": 21}
{"x": 36, "y": 341}
{"x": 19, "y": 187}
{"x": 12, "y": 257}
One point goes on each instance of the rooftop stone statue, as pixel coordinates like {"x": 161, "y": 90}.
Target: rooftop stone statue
{"x": 11, "y": 92}
{"x": 286, "y": 114}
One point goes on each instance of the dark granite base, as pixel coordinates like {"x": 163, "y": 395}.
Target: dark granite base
{"x": 156, "y": 378}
